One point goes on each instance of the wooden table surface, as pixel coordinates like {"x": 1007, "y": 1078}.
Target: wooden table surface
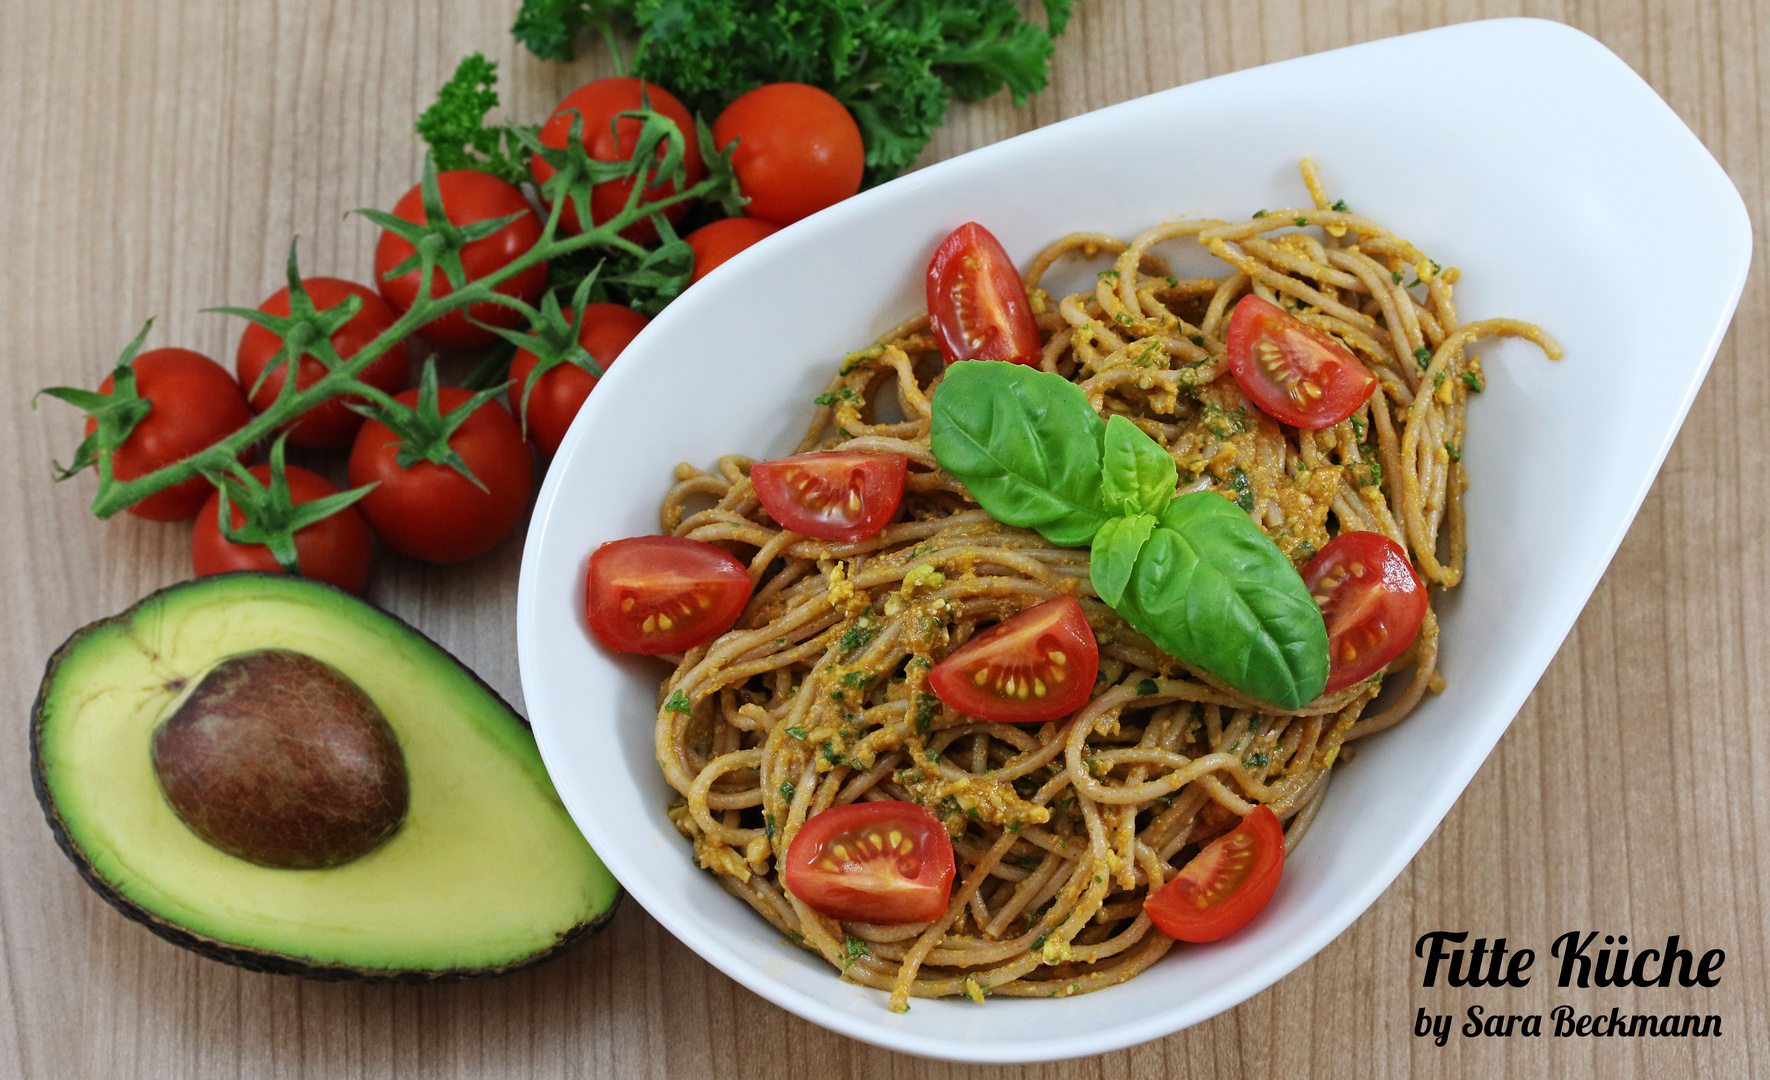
{"x": 155, "y": 158}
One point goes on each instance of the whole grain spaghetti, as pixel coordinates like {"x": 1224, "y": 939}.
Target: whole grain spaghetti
{"x": 818, "y": 696}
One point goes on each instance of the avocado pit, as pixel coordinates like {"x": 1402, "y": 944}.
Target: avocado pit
{"x": 279, "y": 759}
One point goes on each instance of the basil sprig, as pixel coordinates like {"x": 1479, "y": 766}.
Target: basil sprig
{"x": 1192, "y": 573}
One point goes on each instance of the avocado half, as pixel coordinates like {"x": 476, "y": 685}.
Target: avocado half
{"x": 486, "y": 874}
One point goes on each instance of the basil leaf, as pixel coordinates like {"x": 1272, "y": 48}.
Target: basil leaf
{"x": 1114, "y": 554}
{"x": 1213, "y": 591}
{"x": 1138, "y": 475}
{"x": 1027, "y": 445}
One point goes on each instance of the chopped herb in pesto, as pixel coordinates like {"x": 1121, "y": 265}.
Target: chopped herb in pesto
{"x": 678, "y": 703}
{"x": 1147, "y": 688}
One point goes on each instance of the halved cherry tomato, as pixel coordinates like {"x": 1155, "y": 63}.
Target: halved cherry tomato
{"x": 1293, "y": 371}
{"x": 876, "y": 862}
{"x": 833, "y": 495}
{"x": 663, "y": 594}
{"x": 1225, "y": 885}
{"x": 977, "y": 302}
{"x": 1037, "y": 666}
{"x": 1372, "y": 600}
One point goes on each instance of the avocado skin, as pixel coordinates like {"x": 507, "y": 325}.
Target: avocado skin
{"x": 259, "y": 960}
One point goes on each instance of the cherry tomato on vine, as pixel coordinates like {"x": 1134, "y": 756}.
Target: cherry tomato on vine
{"x": 1296, "y": 373}
{"x": 561, "y": 390}
{"x": 430, "y": 511}
{"x": 599, "y": 103}
{"x": 877, "y": 862}
{"x": 196, "y": 404}
{"x": 831, "y": 495}
{"x": 663, "y": 594}
{"x": 468, "y": 196}
{"x": 333, "y": 549}
{"x": 1037, "y": 666}
{"x": 977, "y": 301}
{"x": 1225, "y": 885}
{"x": 328, "y": 424}
{"x": 718, "y": 241}
{"x": 1372, "y": 601}
{"x": 798, "y": 150}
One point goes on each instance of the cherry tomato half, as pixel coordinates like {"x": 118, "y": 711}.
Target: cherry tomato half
{"x": 1037, "y": 666}
{"x": 468, "y": 196}
{"x": 196, "y": 404}
{"x": 1225, "y": 885}
{"x": 663, "y": 594}
{"x": 798, "y": 150}
{"x": 833, "y": 495}
{"x": 328, "y": 424}
{"x": 334, "y": 548}
{"x": 977, "y": 302}
{"x": 718, "y": 241}
{"x": 1293, "y": 371}
{"x": 877, "y": 862}
{"x": 1371, "y": 599}
{"x": 609, "y": 139}
{"x": 561, "y": 391}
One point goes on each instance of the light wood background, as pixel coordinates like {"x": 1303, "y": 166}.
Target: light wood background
{"x": 155, "y": 158}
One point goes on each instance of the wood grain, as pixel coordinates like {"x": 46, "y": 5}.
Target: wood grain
{"x": 155, "y": 158}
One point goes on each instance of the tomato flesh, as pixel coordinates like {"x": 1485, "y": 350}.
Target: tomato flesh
{"x": 1225, "y": 885}
{"x": 833, "y": 495}
{"x": 1372, "y": 601}
{"x": 1293, "y": 371}
{"x": 1037, "y": 666}
{"x": 877, "y": 862}
{"x": 663, "y": 594}
{"x": 976, "y": 301}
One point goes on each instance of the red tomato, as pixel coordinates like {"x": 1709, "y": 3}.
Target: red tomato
{"x": 977, "y": 302}
{"x": 196, "y": 405}
{"x": 560, "y": 392}
{"x": 663, "y": 594}
{"x": 1037, "y": 666}
{"x": 833, "y": 495}
{"x": 432, "y": 512}
{"x": 328, "y": 424}
{"x": 468, "y": 196}
{"x": 720, "y": 240}
{"x": 599, "y": 103}
{"x": 1293, "y": 371}
{"x": 1225, "y": 885}
{"x": 334, "y": 548}
{"x": 798, "y": 150}
{"x": 876, "y": 862}
{"x": 1372, "y": 600}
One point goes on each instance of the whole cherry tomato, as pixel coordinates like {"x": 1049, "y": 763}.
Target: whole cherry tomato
{"x": 718, "y": 241}
{"x": 1293, "y": 371}
{"x": 333, "y": 549}
{"x": 196, "y": 404}
{"x": 328, "y": 424}
{"x": 561, "y": 390}
{"x": 876, "y": 862}
{"x": 977, "y": 301}
{"x": 468, "y": 196}
{"x": 1225, "y": 885}
{"x": 798, "y": 150}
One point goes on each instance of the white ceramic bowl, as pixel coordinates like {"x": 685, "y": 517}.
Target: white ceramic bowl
{"x": 1531, "y": 157}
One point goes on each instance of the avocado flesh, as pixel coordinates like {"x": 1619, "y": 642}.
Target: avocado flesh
{"x": 487, "y": 871}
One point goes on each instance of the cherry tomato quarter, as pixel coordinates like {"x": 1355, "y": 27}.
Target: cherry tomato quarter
{"x": 1225, "y": 885}
{"x": 663, "y": 594}
{"x": 718, "y": 241}
{"x": 561, "y": 391}
{"x": 798, "y": 150}
{"x": 832, "y": 495}
{"x": 1372, "y": 601}
{"x": 1296, "y": 373}
{"x": 334, "y": 549}
{"x": 977, "y": 301}
{"x": 432, "y": 512}
{"x": 196, "y": 404}
{"x": 468, "y": 196}
{"x": 329, "y": 424}
{"x": 877, "y": 862}
{"x": 609, "y": 139}
{"x": 1038, "y": 665}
